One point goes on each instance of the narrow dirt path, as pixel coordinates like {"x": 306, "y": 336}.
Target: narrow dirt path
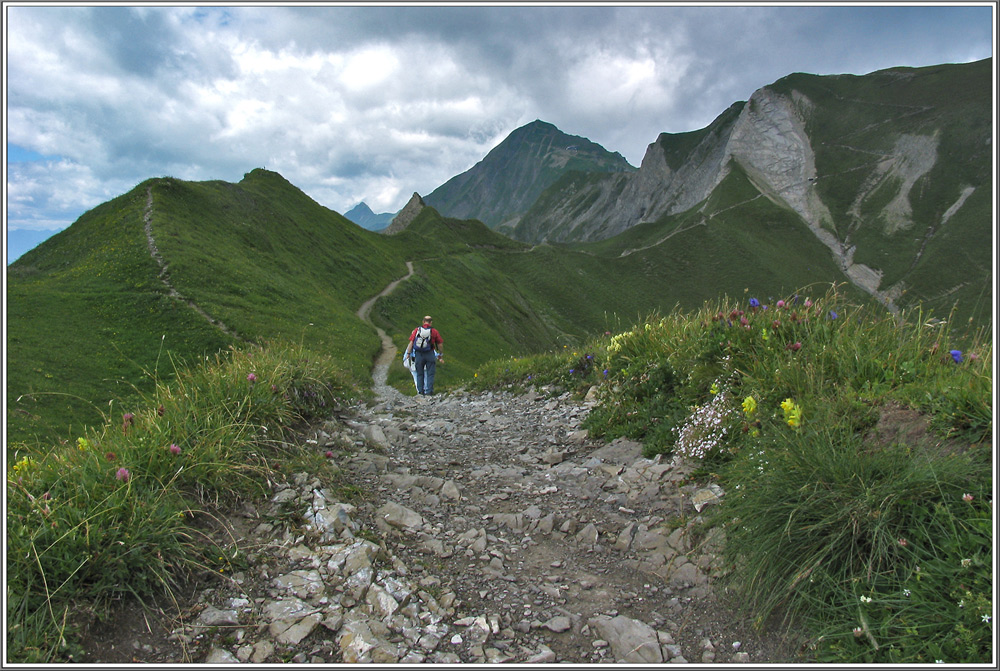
{"x": 380, "y": 371}
{"x": 164, "y": 275}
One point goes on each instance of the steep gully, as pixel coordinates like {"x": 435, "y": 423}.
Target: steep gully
{"x": 488, "y": 527}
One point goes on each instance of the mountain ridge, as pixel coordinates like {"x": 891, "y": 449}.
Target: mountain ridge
{"x": 892, "y": 142}
{"x": 510, "y": 177}
{"x": 90, "y": 318}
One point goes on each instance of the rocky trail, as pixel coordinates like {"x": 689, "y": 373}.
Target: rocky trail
{"x": 486, "y": 528}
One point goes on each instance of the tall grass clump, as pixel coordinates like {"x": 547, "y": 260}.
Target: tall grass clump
{"x": 884, "y": 552}
{"x": 121, "y": 509}
{"x": 854, "y": 447}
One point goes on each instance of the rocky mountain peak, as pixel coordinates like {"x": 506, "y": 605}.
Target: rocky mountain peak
{"x": 406, "y": 215}
{"x": 503, "y": 185}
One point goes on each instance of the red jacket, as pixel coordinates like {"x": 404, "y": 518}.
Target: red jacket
{"x": 435, "y": 337}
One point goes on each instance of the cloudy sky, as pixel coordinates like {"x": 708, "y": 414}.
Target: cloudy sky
{"x": 374, "y": 103}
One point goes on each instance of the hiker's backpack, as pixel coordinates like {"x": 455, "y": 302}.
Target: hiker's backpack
{"x": 422, "y": 341}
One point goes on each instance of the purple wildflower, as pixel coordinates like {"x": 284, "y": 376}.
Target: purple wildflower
{"x": 123, "y": 474}
{"x": 956, "y": 355}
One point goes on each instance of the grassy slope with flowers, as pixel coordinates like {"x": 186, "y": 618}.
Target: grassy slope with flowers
{"x": 880, "y": 543}
{"x": 125, "y": 508}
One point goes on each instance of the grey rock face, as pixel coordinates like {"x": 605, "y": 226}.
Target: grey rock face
{"x": 406, "y": 215}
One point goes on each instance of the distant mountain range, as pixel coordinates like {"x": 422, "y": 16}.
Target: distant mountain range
{"x": 881, "y": 184}
{"x": 891, "y": 171}
{"x": 363, "y": 216}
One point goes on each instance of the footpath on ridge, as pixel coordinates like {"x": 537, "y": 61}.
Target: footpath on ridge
{"x": 487, "y": 528}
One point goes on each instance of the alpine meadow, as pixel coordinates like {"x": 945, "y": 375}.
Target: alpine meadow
{"x": 817, "y": 259}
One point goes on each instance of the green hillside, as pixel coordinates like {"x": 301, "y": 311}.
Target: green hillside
{"x": 87, "y": 319}
{"x": 90, "y": 323}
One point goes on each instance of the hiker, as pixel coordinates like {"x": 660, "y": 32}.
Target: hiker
{"x": 425, "y": 347}
{"x": 410, "y": 365}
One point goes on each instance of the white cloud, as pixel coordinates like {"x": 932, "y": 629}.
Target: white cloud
{"x": 32, "y": 203}
{"x": 369, "y": 68}
{"x": 606, "y": 83}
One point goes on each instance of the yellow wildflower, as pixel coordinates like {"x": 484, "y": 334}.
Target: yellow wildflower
{"x": 793, "y": 413}
{"x": 23, "y": 464}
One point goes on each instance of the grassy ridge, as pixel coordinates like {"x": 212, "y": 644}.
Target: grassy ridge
{"x": 268, "y": 261}
{"x": 87, "y": 318}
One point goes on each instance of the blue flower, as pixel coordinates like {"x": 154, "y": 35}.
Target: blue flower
{"x": 833, "y": 315}
{"x": 754, "y": 303}
{"x": 956, "y": 354}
